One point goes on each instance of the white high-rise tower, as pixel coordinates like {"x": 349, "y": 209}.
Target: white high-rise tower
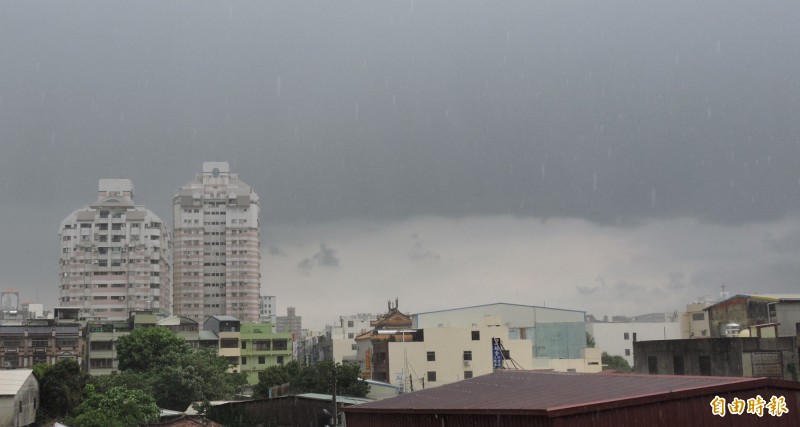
{"x": 216, "y": 250}
{"x": 115, "y": 256}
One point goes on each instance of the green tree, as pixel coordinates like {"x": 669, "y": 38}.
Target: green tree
{"x": 158, "y": 362}
{"x": 117, "y": 407}
{"x": 316, "y": 378}
{"x": 60, "y": 388}
{"x": 590, "y": 343}
{"x": 615, "y": 363}
{"x": 200, "y": 375}
{"x": 148, "y": 348}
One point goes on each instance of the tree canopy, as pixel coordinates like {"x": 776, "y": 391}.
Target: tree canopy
{"x": 316, "y": 378}
{"x": 163, "y": 365}
{"x": 116, "y": 407}
{"x": 60, "y": 387}
{"x": 616, "y": 363}
{"x": 147, "y": 348}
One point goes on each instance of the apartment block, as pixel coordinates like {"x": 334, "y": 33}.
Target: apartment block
{"x": 262, "y": 348}
{"x": 216, "y": 247}
{"x": 115, "y": 256}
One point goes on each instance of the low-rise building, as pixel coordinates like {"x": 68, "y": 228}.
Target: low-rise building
{"x": 35, "y": 341}
{"x": 731, "y": 357}
{"x": 262, "y": 348}
{"x": 19, "y": 397}
{"x": 729, "y": 316}
{"x": 228, "y": 331}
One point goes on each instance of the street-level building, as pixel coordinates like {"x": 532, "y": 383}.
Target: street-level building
{"x": 115, "y": 256}
{"x": 216, "y": 247}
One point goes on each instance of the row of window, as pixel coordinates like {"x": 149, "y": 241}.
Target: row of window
{"x": 431, "y": 375}
{"x": 467, "y": 356}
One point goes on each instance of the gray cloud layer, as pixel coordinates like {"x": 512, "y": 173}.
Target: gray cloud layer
{"x": 617, "y": 112}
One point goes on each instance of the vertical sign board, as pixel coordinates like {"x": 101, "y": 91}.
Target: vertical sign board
{"x": 497, "y": 354}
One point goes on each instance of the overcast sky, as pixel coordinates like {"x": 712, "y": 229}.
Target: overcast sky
{"x": 614, "y": 157}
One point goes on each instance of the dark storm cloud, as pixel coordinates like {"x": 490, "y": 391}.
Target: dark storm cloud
{"x": 419, "y": 252}
{"x": 612, "y": 112}
{"x": 616, "y": 112}
{"x": 325, "y": 257}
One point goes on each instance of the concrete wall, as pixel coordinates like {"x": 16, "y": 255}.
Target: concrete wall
{"x": 787, "y": 315}
{"x": 731, "y": 357}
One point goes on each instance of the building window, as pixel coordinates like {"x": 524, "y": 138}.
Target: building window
{"x": 467, "y": 375}
{"x": 101, "y": 363}
{"x": 244, "y": 347}
{"x": 634, "y": 337}
{"x": 229, "y": 343}
{"x": 705, "y": 365}
{"x": 431, "y": 356}
{"x": 349, "y": 323}
{"x": 626, "y": 336}
{"x": 40, "y": 342}
{"x": 350, "y": 335}
{"x": 280, "y": 360}
{"x": 652, "y": 365}
{"x": 677, "y": 365}
{"x": 699, "y": 316}
{"x": 467, "y": 355}
{"x": 262, "y": 360}
{"x": 432, "y": 376}
{"x": 476, "y": 335}
{"x": 244, "y": 360}
{"x": 627, "y": 352}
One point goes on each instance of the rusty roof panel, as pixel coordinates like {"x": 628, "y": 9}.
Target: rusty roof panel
{"x": 528, "y": 392}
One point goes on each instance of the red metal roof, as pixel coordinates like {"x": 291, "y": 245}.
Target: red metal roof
{"x": 556, "y": 393}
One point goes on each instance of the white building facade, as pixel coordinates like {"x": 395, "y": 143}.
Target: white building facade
{"x": 115, "y": 256}
{"x": 267, "y": 308}
{"x": 216, "y": 247}
{"x": 432, "y": 357}
{"x": 617, "y": 339}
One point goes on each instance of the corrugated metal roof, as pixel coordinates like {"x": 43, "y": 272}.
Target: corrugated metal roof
{"x": 207, "y": 336}
{"x": 501, "y": 303}
{"x": 11, "y": 380}
{"x": 339, "y": 399}
{"x": 545, "y": 392}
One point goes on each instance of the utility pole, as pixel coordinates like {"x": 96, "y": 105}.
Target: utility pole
{"x": 335, "y": 413}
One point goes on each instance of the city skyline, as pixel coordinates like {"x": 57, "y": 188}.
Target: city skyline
{"x": 596, "y": 157}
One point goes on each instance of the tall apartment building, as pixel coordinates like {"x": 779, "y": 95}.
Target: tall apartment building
{"x": 216, "y": 249}
{"x": 115, "y": 256}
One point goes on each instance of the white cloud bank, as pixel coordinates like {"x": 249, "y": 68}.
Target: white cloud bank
{"x": 432, "y": 263}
